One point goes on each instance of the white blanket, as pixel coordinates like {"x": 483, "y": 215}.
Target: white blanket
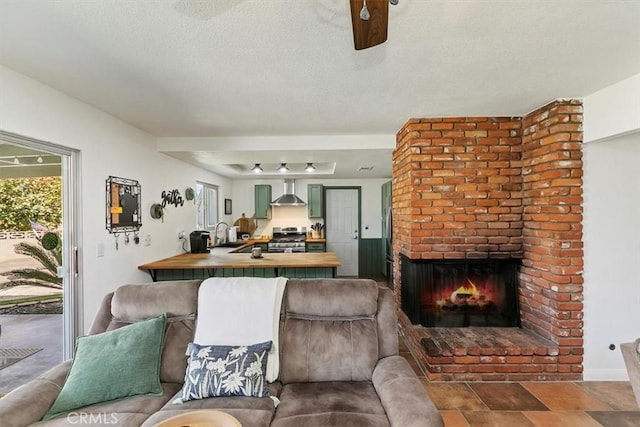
{"x": 241, "y": 311}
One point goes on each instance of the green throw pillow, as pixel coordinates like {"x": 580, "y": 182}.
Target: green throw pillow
{"x": 113, "y": 365}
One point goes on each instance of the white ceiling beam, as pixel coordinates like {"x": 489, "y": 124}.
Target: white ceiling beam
{"x": 275, "y": 143}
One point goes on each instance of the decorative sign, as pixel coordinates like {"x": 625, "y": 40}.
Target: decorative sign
{"x": 172, "y": 197}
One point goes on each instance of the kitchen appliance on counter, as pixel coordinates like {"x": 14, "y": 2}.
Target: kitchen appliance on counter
{"x": 288, "y": 239}
{"x": 232, "y": 234}
{"x": 199, "y": 240}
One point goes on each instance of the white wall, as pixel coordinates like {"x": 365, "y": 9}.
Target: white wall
{"x": 612, "y": 111}
{"x": 612, "y": 253}
{"x": 611, "y": 227}
{"x": 243, "y": 201}
{"x": 108, "y": 147}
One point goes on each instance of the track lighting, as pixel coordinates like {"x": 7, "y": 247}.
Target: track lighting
{"x": 310, "y": 167}
{"x": 257, "y": 168}
{"x": 283, "y": 167}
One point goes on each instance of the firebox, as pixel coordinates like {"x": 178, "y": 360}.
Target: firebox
{"x": 460, "y": 293}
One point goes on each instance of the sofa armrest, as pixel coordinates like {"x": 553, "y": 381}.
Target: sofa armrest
{"x": 28, "y": 403}
{"x": 402, "y": 395}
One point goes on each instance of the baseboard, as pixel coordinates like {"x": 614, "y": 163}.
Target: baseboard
{"x": 605, "y": 375}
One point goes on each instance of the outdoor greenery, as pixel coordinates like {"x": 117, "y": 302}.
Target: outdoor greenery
{"x": 35, "y": 199}
{"x": 50, "y": 259}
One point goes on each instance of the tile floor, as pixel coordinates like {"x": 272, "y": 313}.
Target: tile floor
{"x": 532, "y": 404}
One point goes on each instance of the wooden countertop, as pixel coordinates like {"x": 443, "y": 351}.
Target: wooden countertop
{"x": 238, "y": 260}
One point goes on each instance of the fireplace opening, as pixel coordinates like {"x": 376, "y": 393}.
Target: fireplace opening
{"x": 460, "y": 293}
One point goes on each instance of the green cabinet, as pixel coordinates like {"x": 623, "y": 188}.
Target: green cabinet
{"x": 315, "y": 200}
{"x": 316, "y": 247}
{"x": 263, "y": 201}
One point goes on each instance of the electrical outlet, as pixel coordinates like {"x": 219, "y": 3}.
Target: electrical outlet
{"x": 181, "y": 235}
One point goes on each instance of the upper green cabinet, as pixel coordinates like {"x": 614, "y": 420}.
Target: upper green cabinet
{"x": 263, "y": 201}
{"x": 314, "y": 200}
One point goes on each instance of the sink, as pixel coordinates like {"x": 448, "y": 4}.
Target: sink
{"x": 231, "y": 244}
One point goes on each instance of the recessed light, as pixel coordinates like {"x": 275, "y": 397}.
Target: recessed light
{"x": 257, "y": 168}
{"x": 283, "y": 167}
{"x": 310, "y": 167}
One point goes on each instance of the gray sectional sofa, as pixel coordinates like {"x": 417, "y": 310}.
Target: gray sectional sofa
{"x": 322, "y": 381}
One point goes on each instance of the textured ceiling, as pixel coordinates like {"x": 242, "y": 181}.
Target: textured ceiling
{"x": 191, "y": 68}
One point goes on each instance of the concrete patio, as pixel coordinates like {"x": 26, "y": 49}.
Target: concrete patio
{"x": 30, "y": 331}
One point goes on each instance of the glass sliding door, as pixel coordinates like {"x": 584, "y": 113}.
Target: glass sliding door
{"x": 26, "y": 162}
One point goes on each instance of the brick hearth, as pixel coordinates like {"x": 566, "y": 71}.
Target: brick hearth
{"x": 498, "y": 187}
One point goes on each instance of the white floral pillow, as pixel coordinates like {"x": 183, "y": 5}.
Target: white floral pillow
{"x": 215, "y": 370}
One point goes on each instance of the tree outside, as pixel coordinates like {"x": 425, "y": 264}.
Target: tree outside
{"x": 25, "y": 261}
{"x": 30, "y": 199}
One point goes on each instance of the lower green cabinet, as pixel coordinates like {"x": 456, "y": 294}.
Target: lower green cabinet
{"x": 316, "y": 247}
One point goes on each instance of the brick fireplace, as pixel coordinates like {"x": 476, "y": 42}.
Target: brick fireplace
{"x": 496, "y": 188}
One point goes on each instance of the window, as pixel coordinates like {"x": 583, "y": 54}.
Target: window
{"x": 206, "y": 206}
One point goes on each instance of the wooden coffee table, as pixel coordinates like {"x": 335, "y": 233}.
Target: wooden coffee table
{"x": 201, "y": 418}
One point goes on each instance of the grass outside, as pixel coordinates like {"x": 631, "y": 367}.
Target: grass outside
{"x": 30, "y": 300}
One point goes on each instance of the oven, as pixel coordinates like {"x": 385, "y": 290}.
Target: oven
{"x": 288, "y": 239}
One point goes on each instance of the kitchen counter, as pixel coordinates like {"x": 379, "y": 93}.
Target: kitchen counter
{"x": 223, "y": 262}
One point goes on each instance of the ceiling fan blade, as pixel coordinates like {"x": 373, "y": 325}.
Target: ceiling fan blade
{"x": 374, "y": 31}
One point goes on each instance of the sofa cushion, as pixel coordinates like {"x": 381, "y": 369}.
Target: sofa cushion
{"x": 387, "y": 322}
{"x": 130, "y": 412}
{"x": 37, "y": 395}
{"x": 402, "y": 394}
{"x": 225, "y": 370}
{"x": 325, "y": 404}
{"x": 334, "y": 297}
{"x": 250, "y": 411}
{"x": 131, "y": 303}
{"x": 137, "y": 302}
{"x": 330, "y": 332}
{"x": 114, "y": 365}
{"x": 328, "y": 350}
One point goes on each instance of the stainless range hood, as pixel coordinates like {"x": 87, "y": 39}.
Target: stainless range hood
{"x": 288, "y": 198}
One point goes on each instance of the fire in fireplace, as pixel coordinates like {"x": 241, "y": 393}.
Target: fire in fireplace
{"x": 460, "y": 293}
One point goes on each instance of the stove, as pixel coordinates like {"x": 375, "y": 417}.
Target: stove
{"x": 288, "y": 239}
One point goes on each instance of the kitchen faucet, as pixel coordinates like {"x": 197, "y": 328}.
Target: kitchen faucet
{"x": 216, "y": 240}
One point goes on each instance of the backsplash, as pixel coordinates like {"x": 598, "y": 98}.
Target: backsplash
{"x": 290, "y": 216}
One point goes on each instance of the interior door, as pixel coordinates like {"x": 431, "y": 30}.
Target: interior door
{"x": 342, "y": 227}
